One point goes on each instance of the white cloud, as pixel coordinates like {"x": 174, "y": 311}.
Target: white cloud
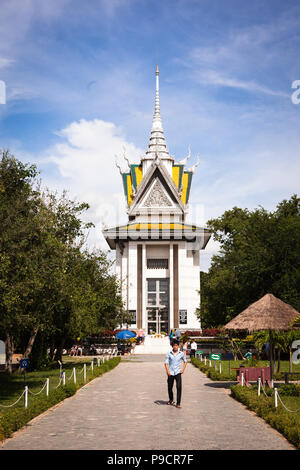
{"x": 85, "y": 160}
{"x": 214, "y": 78}
{"x": 5, "y": 62}
{"x": 247, "y": 58}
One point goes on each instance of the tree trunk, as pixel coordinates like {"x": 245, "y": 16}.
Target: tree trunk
{"x": 51, "y": 354}
{"x": 278, "y": 360}
{"x": 9, "y": 353}
{"x": 59, "y": 350}
{"x": 271, "y": 353}
{"x": 291, "y": 363}
{"x": 31, "y": 341}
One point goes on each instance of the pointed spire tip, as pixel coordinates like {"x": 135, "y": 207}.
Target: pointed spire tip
{"x": 157, "y": 70}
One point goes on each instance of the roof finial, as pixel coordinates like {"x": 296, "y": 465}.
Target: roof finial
{"x": 157, "y": 142}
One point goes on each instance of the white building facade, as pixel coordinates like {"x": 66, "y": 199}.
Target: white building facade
{"x": 157, "y": 252}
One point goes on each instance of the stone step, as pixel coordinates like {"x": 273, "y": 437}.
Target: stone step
{"x": 153, "y": 345}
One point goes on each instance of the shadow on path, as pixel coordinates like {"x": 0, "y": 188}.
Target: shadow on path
{"x": 161, "y": 402}
{"x": 226, "y": 385}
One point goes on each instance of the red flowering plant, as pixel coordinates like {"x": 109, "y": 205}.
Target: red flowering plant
{"x": 252, "y": 361}
{"x": 211, "y": 332}
{"x": 106, "y": 333}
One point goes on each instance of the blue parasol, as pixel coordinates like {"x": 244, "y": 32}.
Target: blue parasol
{"x": 125, "y": 334}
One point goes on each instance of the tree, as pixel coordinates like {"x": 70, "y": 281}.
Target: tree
{"x": 260, "y": 253}
{"x": 18, "y": 202}
{"x": 50, "y": 287}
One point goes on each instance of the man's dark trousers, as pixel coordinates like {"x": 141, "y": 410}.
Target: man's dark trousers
{"x": 171, "y": 379}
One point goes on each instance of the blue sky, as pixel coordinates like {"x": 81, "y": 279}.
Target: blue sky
{"x": 80, "y": 87}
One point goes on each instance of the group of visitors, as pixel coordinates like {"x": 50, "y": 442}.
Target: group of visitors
{"x": 76, "y": 350}
{"x": 183, "y": 345}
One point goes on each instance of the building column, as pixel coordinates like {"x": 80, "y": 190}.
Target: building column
{"x": 171, "y": 296}
{"x": 139, "y": 304}
{"x": 175, "y": 287}
{"x": 144, "y": 322}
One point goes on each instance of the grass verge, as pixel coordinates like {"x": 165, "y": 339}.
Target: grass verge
{"x": 284, "y": 421}
{"x": 228, "y": 374}
{"x": 12, "y": 419}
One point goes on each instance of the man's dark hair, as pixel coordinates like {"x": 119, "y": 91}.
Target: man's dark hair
{"x": 176, "y": 341}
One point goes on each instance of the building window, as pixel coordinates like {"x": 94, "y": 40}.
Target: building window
{"x": 183, "y": 317}
{"x": 153, "y": 263}
{"x": 133, "y": 317}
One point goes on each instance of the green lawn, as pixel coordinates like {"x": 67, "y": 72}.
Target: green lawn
{"x": 228, "y": 374}
{"x": 12, "y": 386}
{"x": 285, "y": 417}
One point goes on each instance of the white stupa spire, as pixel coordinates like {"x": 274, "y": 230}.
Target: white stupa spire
{"x": 157, "y": 144}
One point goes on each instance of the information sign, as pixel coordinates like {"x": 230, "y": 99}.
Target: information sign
{"x": 215, "y": 357}
{"x": 24, "y": 363}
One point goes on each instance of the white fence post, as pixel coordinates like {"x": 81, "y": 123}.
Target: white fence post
{"x": 92, "y": 366}
{"x": 242, "y": 379}
{"x": 26, "y": 396}
{"x": 220, "y": 367}
{"x": 259, "y": 384}
{"x": 276, "y": 398}
{"x": 47, "y": 387}
{"x": 74, "y": 370}
{"x": 64, "y": 378}
{"x": 98, "y": 361}
{"x": 84, "y": 372}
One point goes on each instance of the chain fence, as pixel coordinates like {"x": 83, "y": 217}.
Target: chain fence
{"x": 62, "y": 381}
{"x": 276, "y": 397}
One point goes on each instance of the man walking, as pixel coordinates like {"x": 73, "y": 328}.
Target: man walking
{"x": 193, "y": 348}
{"x": 174, "y": 371}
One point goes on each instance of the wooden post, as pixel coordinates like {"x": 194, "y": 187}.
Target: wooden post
{"x": 271, "y": 357}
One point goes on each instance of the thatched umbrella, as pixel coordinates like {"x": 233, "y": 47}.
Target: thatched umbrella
{"x": 267, "y": 313}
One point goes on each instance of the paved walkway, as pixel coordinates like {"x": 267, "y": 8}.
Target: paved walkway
{"x": 126, "y": 409}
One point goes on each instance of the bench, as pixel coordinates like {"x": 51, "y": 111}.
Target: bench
{"x": 252, "y": 374}
{"x": 286, "y": 376}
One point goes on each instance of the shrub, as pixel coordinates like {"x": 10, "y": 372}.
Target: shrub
{"x": 193, "y": 333}
{"x": 289, "y": 390}
{"x": 286, "y": 423}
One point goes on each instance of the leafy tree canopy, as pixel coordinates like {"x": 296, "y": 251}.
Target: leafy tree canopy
{"x": 259, "y": 254}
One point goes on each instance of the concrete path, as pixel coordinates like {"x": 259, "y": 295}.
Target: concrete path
{"x": 126, "y": 409}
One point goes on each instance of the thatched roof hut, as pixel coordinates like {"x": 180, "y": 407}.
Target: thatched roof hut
{"x": 267, "y": 313}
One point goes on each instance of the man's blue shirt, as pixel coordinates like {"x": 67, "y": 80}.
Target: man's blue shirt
{"x": 173, "y": 360}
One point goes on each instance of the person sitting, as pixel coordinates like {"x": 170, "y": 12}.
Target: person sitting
{"x": 141, "y": 336}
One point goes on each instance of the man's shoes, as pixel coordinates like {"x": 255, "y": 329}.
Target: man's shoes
{"x": 171, "y": 402}
{"x": 178, "y": 406}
